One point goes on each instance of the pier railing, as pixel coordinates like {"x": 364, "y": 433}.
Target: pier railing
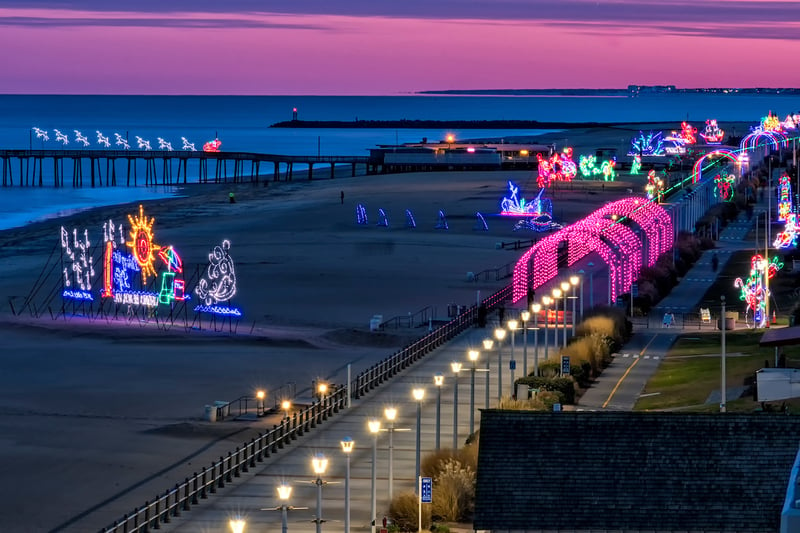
{"x": 192, "y": 490}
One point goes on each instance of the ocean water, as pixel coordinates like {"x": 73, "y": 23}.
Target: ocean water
{"x": 242, "y": 124}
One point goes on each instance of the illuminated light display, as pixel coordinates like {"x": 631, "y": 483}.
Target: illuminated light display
{"x": 142, "y": 143}
{"x": 790, "y": 123}
{"x": 771, "y": 123}
{"x": 559, "y": 167}
{"x": 441, "y": 221}
{"x": 751, "y": 140}
{"x": 171, "y": 259}
{"x": 788, "y": 237}
{"x": 71, "y": 294}
{"x": 517, "y": 207}
{"x": 697, "y": 169}
{"x": 723, "y": 186}
{"x": 80, "y": 268}
{"x": 410, "y": 222}
{"x": 361, "y": 215}
{"x": 164, "y": 144}
{"x": 636, "y": 165}
{"x": 480, "y": 223}
{"x": 618, "y": 245}
{"x": 651, "y": 144}
{"x": 172, "y": 288}
{"x": 81, "y": 138}
{"x": 219, "y": 310}
{"x": 187, "y": 145}
{"x": 654, "y": 187}
{"x": 590, "y": 169}
{"x": 383, "y": 220}
{"x": 41, "y": 134}
{"x": 712, "y": 134}
{"x": 136, "y": 298}
{"x": 141, "y": 243}
{"x": 784, "y": 197}
{"x": 219, "y": 284}
{"x": 212, "y": 146}
{"x": 753, "y": 290}
{"x": 61, "y": 137}
{"x": 110, "y": 239}
{"x": 102, "y": 139}
{"x": 121, "y": 141}
{"x": 687, "y": 135}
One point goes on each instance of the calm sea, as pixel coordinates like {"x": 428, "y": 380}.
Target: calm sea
{"x": 242, "y": 124}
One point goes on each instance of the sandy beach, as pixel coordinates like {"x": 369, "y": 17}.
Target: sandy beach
{"x": 98, "y": 416}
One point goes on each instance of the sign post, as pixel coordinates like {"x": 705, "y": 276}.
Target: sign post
{"x": 425, "y": 496}
{"x": 565, "y": 365}
{"x": 634, "y": 294}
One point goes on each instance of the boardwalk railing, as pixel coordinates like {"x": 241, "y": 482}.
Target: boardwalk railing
{"x": 180, "y": 498}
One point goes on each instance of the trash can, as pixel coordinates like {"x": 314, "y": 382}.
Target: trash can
{"x": 791, "y": 320}
{"x": 211, "y": 413}
{"x": 730, "y": 323}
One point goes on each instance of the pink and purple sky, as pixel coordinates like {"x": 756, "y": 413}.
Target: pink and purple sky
{"x": 360, "y": 47}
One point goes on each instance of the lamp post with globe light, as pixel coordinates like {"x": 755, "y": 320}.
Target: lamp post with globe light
{"x": 535, "y": 308}
{"x": 565, "y": 288}
{"x": 556, "y": 295}
{"x": 574, "y": 281}
{"x": 319, "y": 463}
{"x": 546, "y": 300}
{"x": 347, "y": 447}
{"x": 260, "y": 395}
{"x": 499, "y": 334}
{"x": 438, "y": 380}
{"x": 525, "y": 316}
{"x": 237, "y": 525}
{"x": 390, "y": 413}
{"x": 374, "y": 426}
{"x": 455, "y": 366}
{"x": 512, "y": 364}
{"x": 487, "y": 345}
{"x": 473, "y": 357}
{"x": 419, "y": 395}
{"x": 284, "y": 492}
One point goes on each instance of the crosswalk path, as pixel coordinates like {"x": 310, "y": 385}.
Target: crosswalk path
{"x": 636, "y": 356}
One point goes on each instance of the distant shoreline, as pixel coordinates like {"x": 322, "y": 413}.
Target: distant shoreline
{"x": 449, "y": 124}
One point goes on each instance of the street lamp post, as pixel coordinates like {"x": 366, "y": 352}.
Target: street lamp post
{"x": 237, "y": 525}
{"x": 724, "y": 397}
{"x": 499, "y": 334}
{"x": 455, "y": 366}
{"x": 564, "y": 288}
{"x": 546, "y": 303}
{"x": 438, "y": 380}
{"x": 260, "y": 395}
{"x": 419, "y": 395}
{"x": 590, "y": 265}
{"x": 581, "y": 274}
{"x": 535, "y": 308}
{"x": 286, "y": 405}
{"x": 487, "y": 345}
{"x": 556, "y": 296}
{"x": 390, "y": 413}
{"x": 512, "y": 364}
{"x": 374, "y": 428}
{"x": 284, "y": 492}
{"x": 525, "y": 316}
{"x": 574, "y": 280}
{"x": 347, "y": 447}
{"x": 319, "y": 464}
{"x": 473, "y": 357}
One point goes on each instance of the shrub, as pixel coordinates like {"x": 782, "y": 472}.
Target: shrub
{"x": 440, "y": 528}
{"x": 453, "y": 492}
{"x": 403, "y": 510}
{"x": 564, "y": 385}
{"x": 549, "y": 369}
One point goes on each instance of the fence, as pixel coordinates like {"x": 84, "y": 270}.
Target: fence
{"x": 180, "y": 498}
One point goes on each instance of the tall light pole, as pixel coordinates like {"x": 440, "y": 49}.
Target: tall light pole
{"x": 565, "y": 288}
{"x": 284, "y": 492}
{"x": 319, "y": 463}
{"x": 546, "y": 303}
{"x": 419, "y": 395}
{"x": 581, "y": 274}
{"x": 574, "y": 280}
{"x": 374, "y": 428}
{"x": 512, "y": 364}
{"x": 525, "y": 316}
{"x": 438, "y": 380}
{"x": 347, "y": 447}
{"x": 260, "y": 395}
{"x": 535, "y": 308}
{"x": 590, "y": 265}
{"x": 473, "y": 357}
{"x": 556, "y": 295}
{"x": 499, "y": 334}
{"x": 455, "y": 366}
{"x": 723, "y": 400}
{"x": 286, "y": 405}
{"x": 390, "y": 413}
{"x": 237, "y": 525}
{"x": 487, "y": 345}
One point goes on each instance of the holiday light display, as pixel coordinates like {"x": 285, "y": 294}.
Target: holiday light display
{"x": 164, "y": 144}
{"x": 636, "y": 165}
{"x": 771, "y": 122}
{"x": 61, "y": 137}
{"x": 784, "y": 197}
{"x": 788, "y": 237}
{"x": 618, "y": 245}
{"x": 651, "y": 144}
{"x": 141, "y": 244}
{"x": 187, "y": 145}
{"x": 361, "y": 215}
{"x": 102, "y": 139}
{"x": 723, "y": 186}
{"x": 771, "y": 139}
{"x": 172, "y": 288}
{"x": 654, "y": 187}
{"x": 212, "y": 146}
{"x": 41, "y": 134}
{"x": 687, "y": 135}
{"x": 697, "y": 169}
{"x": 410, "y": 222}
{"x": 590, "y": 169}
{"x": 121, "y": 142}
{"x": 110, "y": 240}
{"x": 79, "y": 267}
{"x": 754, "y": 291}
{"x": 538, "y": 212}
{"x": 142, "y": 143}
{"x": 559, "y": 167}
{"x": 791, "y": 122}
{"x": 480, "y": 223}
{"x": 383, "y": 220}
{"x": 81, "y": 138}
{"x": 441, "y": 221}
{"x": 219, "y": 283}
{"x": 712, "y": 134}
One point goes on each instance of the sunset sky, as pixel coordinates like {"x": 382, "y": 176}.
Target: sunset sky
{"x": 360, "y": 47}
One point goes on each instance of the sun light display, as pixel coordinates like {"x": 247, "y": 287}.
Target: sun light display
{"x": 754, "y": 291}
{"x": 141, "y": 244}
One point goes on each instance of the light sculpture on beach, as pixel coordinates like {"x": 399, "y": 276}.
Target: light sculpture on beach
{"x": 102, "y": 139}
{"x": 712, "y": 134}
{"x": 121, "y": 141}
{"x": 636, "y": 165}
{"x": 109, "y": 270}
{"x": 590, "y": 169}
{"x": 538, "y": 213}
{"x": 441, "y": 220}
{"x": 79, "y": 269}
{"x": 218, "y": 284}
{"x": 791, "y": 122}
{"x": 141, "y": 244}
{"x": 410, "y": 222}
{"x": 788, "y": 237}
{"x": 163, "y": 144}
{"x": 680, "y": 139}
{"x": 361, "y": 215}
{"x": 655, "y": 186}
{"x": 188, "y": 146}
{"x": 61, "y": 137}
{"x": 172, "y": 287}
{"x": 650, "y": 144}
{"x": 771, "y": 139}
{"x": 559, "y": 167}
{"x": 81, "y": 138}
{"x": 771, "y": 122}
{"x": 784, "y": 197}
{"x": 212, "y": 146}
{"x": 383, "y": 220}
{"x": 753, "y": 290}
{"x": 480, "y": 223}
{"x": 143, "y": 144}
{"x": 723, "y": 186}
{"x": 41, "y": 134}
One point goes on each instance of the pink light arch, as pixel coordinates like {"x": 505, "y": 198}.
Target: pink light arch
{"x": 653, "y": 219}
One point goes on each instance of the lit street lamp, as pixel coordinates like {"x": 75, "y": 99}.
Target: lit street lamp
{"x": 535, "y": 308}
{"x": 512, "y": 364}
{"x": 724, "y": 398}
{"x": 473, "y": 357}
{"x": 564, "y": 288}
{"x": 284, "y": 492}
{"x": 319, "y": 463}
{"x": 455, "y": 366}
{"x": 574, "y": 280}
{"x": 347, "y": 447}
{"x": 499, "y": 334}
{"x": 390, "y": 413}
{"x": 556, "y": 296}
{"x": 525, "y": 316}
{"x": 286, "y": 405}
{"x": 487, "y": 345}
{"x": 260, "y": 395}
{"x": 419, "y": 395}
{"x": 438, "y": 380}
{"x": 374, "y": 428}
{"x": 580, "y": 280}
{"x": 237, "y": 525}
{"x": 546, "y": 303}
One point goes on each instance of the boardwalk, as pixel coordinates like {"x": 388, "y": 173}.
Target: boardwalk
{"x": 98, "y": 168}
